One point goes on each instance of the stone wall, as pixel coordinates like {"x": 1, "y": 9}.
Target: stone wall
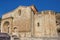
{"x": 26, "y": 23}
{"x": 6, "y": 24}
{"x": 45, "y": 24}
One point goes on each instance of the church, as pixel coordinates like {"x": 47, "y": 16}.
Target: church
{"x": 26, "y": 21}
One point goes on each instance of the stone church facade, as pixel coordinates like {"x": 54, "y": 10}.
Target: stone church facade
{"x": 27, "y": 22}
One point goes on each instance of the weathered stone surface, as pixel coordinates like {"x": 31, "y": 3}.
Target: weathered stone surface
{"x": 26, "y": 23}
{"x": 47, "y": 24}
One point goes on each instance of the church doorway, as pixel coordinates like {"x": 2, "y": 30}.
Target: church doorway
{"x": 6, "y": 26}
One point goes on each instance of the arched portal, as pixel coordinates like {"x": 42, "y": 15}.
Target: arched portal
{"x": 6, "y": 26}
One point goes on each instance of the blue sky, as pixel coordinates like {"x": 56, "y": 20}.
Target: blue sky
{"x": 9, "y": 5}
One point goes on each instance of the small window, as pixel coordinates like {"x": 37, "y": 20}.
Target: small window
{"x": 56, "y": 22}
{"x": 38, "y": 24}
{"x": 58, "y": 31}
{"x": 15, "y": 28}
{"x": 19, "y": 12}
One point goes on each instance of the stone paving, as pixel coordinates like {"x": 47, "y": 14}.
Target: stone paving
{"x": 42, "y": 38}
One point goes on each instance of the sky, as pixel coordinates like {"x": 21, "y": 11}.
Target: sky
{"x": 41, "y": 5}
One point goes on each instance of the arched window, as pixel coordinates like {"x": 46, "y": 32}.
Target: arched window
{"x": 38, "y": 24}
{"x": 15, "y": 29}
{"x": 19, "y": 12}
